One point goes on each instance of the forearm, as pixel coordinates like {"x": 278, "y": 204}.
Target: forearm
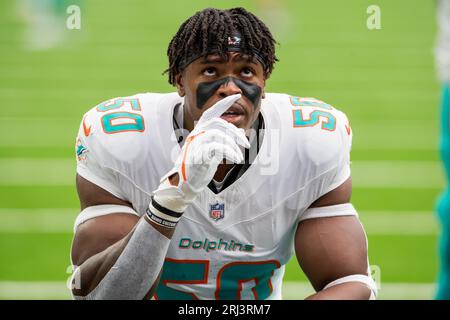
{"x": 344, "y": 291}
{"x": 126, "y": 270}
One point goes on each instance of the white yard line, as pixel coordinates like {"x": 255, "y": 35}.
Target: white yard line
{"x": 394, "y": 135}
{"x": 388, "y": 291}
{"x": 49, "y": 290}
{"x": 375, "y": 174}
{"x": 38, "y": 220}
{"x": 31, "y": 172}
{"x": 398, "y": 174}
{"x": 38, "y": 132}
{"x": 291, "y": 290}
{"x": 399, "y": 223}
{"x": 61, "y": 221}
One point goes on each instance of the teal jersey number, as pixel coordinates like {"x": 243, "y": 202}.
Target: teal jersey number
{"x": 118, "y": 103}
{"x": 233, "y": 275}
{"x": 230, "y": 278}
{"x": 303, "y": 102}
{"x": 137, "y": 123}
{"x": 122, "y": 121}
{"x": 328, "y": 122}
{"x": 183, "y": 272}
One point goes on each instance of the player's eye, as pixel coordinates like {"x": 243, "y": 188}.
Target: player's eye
{"x": 210, "y": 71}
{"x": 247, "y": 72}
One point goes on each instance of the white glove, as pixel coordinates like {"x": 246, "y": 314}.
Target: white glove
{"x": 212, "y": 140}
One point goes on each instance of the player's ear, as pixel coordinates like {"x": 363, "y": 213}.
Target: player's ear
{"x": 179, "y": 84}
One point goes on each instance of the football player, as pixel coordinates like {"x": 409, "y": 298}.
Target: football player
{"x": 207, "y": 192}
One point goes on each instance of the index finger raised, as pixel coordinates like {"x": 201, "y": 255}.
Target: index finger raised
{"x": 219, "y": 107}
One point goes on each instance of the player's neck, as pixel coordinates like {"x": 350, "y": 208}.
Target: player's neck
{"x": 222, "y": 171}
{"x": 188, "y": 123}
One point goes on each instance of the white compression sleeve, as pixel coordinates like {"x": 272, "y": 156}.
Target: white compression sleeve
{"x": 101, "y": 210}
{"x": 345, "y": 209}
{"x": 365, "y": 279}
{"x": 136, "y": 269}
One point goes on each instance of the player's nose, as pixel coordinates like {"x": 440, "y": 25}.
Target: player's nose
{"x": 228, "y": 88}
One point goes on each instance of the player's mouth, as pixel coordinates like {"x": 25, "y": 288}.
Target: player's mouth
{"x": 235, "y": 115}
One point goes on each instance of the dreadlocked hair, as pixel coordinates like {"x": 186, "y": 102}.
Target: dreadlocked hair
{"x": 207, "y": 32}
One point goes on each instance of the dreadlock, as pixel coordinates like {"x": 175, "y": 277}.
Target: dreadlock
{"x": 207, "y": 32}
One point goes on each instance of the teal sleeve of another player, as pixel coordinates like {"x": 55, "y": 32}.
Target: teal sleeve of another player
{"x": 445, "y": 124}
{"x": 443, "y": 205}
{"x": 445, "y": 128}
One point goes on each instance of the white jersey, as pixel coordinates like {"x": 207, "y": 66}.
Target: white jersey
{"x": 234, "y": 244}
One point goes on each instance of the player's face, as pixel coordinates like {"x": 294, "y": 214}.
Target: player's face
{"x": 206, "y": 81}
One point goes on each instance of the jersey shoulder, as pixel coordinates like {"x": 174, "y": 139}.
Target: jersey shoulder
{"x": 319, "y": 132}
{"x": 312, "y": 108}
{"x": 117, "y": 130}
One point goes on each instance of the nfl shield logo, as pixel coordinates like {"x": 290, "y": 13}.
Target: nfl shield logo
{"x": 217, "y": 211}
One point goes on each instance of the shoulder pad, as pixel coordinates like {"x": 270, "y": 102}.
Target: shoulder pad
{"x": 114, "y": 130}
{"x": 321, "y": 132}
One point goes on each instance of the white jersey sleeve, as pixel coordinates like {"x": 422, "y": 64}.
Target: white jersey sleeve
{"x": 120, "y": 145}
{"x": 328, "y": 146}
{"x": 113, "y": 148}
{"x": 334, "y": 151}
{"x": 325, "y": 146}
{"x": 315, "y": 146}
{"x": 89, "y": 155}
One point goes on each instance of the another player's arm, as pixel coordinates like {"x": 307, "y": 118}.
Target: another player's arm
{"x": 100, "y": 241}
{"x": 332, "y": 251}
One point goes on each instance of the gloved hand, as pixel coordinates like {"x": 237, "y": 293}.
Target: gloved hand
{"x": 212, "y": 140}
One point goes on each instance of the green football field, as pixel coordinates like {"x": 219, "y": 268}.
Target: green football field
{"x": 383, "y": 79}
